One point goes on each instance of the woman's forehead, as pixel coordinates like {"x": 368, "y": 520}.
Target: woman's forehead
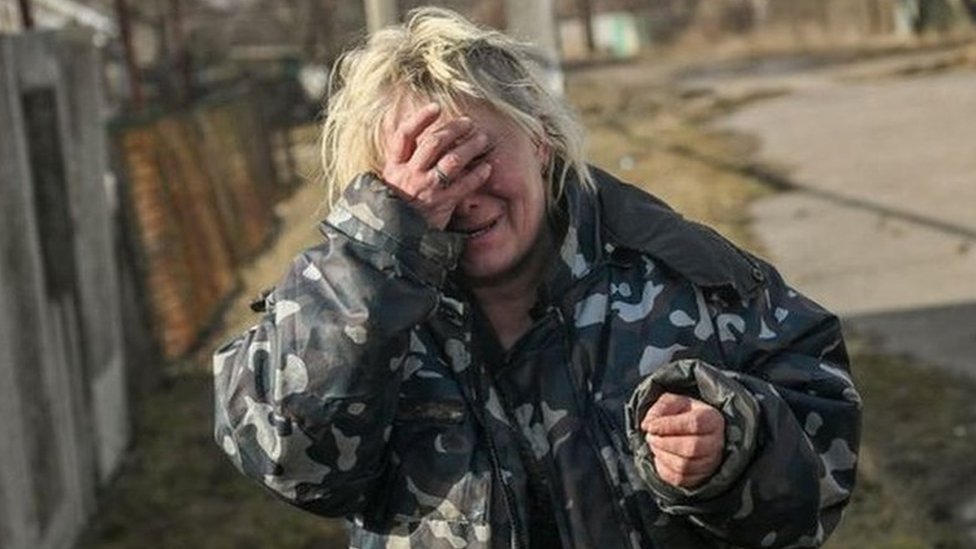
{"x": 483, "y": 113}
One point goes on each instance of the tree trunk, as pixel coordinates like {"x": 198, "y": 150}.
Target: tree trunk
{"x": 585, "y": 12}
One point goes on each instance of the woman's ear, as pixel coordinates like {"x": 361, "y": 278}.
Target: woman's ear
{"x": 543, "y": 153}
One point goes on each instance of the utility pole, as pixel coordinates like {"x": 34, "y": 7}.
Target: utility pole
{"x": 535, "y": 22}
{"x": 131, "y": 65}
{"x": 315, "y": 27}
{"x": 585, "y": 12}
{"x": 26, "y": 14}
{"x": 380, "y": 13}
{"x": 183, "y": 60}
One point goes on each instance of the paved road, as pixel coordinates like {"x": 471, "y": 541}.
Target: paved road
{"x": 882, "y": 227}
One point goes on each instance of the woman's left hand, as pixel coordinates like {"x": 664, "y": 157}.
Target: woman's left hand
{"x": 687, "y": 438}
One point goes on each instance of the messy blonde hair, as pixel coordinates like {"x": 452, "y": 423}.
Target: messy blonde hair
{"x": 439, "y": 55}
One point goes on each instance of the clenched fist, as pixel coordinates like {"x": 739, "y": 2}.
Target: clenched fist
{"x": 686, "y": 437}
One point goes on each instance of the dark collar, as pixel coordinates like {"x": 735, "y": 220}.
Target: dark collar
{"x": 619, "y": 215}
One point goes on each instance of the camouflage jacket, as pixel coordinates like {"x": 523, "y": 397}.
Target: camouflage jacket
{"x": 372, "y": 390}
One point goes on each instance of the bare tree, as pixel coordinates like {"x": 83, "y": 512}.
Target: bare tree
{"x": 669, "y": 19}
{"x": 585, "y": 11}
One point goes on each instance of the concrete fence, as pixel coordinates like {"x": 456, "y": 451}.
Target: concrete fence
{"x": 104, "y": 277}
{"x": 62, "y": 377}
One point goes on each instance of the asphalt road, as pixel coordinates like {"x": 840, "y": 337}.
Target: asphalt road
{"x": 881, "y": 223}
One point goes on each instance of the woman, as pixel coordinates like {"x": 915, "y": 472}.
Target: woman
{"x": 496, "y": 345}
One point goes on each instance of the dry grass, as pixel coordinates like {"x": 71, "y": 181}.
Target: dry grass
{"x": 920, "y": 448}
{"x": 651, "y": 137}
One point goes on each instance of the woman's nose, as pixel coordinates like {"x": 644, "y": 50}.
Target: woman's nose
{"x": 469, "y": 203}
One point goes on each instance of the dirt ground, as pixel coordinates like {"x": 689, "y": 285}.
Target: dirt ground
{"x": 176, "y": 490}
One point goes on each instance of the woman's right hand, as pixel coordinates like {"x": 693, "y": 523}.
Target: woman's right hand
{"x": 434, "y": 166}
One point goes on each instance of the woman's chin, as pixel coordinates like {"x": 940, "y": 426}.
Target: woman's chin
{"x": 480, "y": 270}
{"x": 485, "y": 265}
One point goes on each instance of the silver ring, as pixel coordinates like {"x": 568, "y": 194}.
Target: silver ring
{"x": 442, "y": 178}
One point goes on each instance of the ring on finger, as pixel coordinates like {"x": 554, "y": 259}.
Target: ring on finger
{"x": 442, "y": 179}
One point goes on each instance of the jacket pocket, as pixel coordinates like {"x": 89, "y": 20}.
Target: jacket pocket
{"x": 447, "y": 411}
{"x": 437, "y": 470}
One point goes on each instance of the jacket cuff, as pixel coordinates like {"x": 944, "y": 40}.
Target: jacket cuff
{"x": 704, "y": 382}
{"x": 371, "y": 213}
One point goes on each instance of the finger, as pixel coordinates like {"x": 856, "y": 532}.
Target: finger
{"x": 695, "y": 421}
{"x": 676, "y": 478}
{"x": 455, "y": 161}
{"x": 666, "y": 405}
{"x": 404, "y": 139}
{"x": 468, "y": 182}
{"x": 437, "y": 204}
{"x": 686, "y": 466}
{"x": 691, "y": 447}
{"x": 432, "y": 144}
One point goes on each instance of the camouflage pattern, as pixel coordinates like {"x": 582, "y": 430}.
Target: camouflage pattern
{"x": 369, "y": 389}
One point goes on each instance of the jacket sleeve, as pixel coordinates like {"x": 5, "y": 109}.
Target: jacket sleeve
{"x": 304, "y": 400}
{"x": 792, "y": 422}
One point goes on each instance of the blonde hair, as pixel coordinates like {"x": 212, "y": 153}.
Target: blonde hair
{"x": 439, "y": 55}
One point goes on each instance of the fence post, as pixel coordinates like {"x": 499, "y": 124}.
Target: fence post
{"x": 60, "y": 343}
{"x": 95, "y": 253}
{"x": 19, "y": 294}
{"x": 61, "y": 457}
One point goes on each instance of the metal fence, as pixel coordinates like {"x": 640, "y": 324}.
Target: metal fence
{"x": 62, "y": 375}
{"x": 196, "y": 189}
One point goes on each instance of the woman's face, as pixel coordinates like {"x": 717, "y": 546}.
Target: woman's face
{"x": 504, "y": 219}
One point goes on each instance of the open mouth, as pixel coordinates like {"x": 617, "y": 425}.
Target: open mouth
{"x": 476, "y": 232}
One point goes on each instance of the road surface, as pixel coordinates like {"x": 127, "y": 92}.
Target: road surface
{"x": 881, "y": 226}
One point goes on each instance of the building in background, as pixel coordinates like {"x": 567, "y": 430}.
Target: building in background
{"x": 617, "y": 28}
{"x": 57, "y": 14}
{"x": 621, "y": 28}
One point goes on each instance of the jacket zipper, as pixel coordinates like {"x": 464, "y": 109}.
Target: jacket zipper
{"x": 624, "y": 521}
{"x": 619, "y": 442}
{"x": 496, "y": 465}
{"x": 506, "y": 492}
{"x": 475, "y": 379}
{"x": 539, "y": 477}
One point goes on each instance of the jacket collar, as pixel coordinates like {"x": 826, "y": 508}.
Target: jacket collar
{"x": 581, "y": 247}
{"x": 618, "y": 215}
